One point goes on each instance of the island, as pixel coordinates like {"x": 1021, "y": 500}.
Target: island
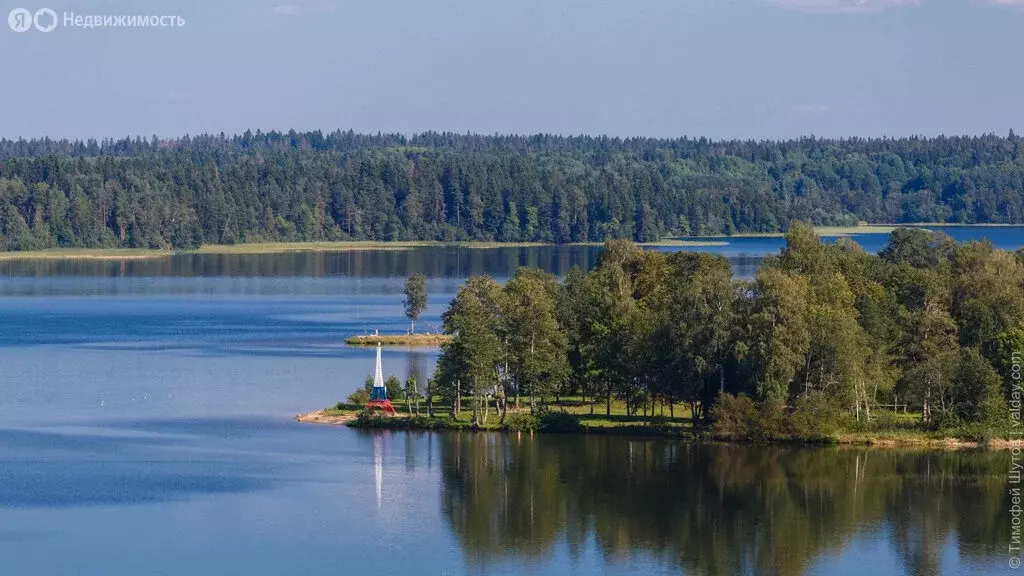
{"x": 413, "y": 340}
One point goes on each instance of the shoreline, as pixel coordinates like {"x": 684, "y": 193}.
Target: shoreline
{"x": 323, "y": 418}
{"x": 261, "y": 248}
{"x": 264, "y": 248}
{"x": 399, "y": 340}
{"x": 350, "y": 418}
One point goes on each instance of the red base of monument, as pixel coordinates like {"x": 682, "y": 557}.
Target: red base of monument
{"x": 382, "y": 405}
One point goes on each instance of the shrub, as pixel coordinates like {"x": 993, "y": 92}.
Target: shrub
{"x": 815, "y": 418}
{"x": 772, "y": 423}
{"x": 740, "y": 418}
{"x": 521, "y": 422}
{"x": 735, "y": 417}
{"x": 559, "y": 422}
{"x": 360, "y": 397}
{"x": 660, "y": 423}
{"x": 371, "y": 419}
{"x": 947, "y": 421}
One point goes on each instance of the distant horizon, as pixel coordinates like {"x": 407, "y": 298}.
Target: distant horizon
{"x": 525, "y": 135}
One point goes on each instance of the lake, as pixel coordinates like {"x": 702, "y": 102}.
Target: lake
{"x": 146, "y": 428}
{"x": 745, "y": 253}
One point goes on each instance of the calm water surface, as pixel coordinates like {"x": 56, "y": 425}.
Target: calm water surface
{"x": 146, "y": 428}
{"x": 745, "y": 254}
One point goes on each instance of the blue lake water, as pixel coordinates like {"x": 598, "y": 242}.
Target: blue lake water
{"x": 146, "y": 427}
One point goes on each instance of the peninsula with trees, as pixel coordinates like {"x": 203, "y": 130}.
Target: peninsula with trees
{"x": 921, "y": 343}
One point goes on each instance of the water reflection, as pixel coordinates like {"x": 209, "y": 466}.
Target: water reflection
{"x": 719, "y": 509}
{"x": 369, "y": 271}
{"x": 378, "y": 466}
{"x": 432, "y": 261}
{"x": 451, "y": 262}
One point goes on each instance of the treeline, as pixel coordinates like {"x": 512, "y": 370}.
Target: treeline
{"x": 822, "y": 338}
{"x": 339, "y": 186}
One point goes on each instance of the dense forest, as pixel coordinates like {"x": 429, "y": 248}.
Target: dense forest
{"x": 818, "y": 342}
{"x": 437, "y": 186}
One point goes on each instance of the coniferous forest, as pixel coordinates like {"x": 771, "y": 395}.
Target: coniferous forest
{"x": 438, "y": 186}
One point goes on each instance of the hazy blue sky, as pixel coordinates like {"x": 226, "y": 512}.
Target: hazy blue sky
{"x": 717, "y": 68}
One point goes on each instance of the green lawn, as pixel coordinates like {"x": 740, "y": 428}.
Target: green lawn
{"x": 888, "y": 428}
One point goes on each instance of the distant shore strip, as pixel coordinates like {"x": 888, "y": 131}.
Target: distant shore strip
{"x": 425, "y": 340}
{"x": 357, "y": 245}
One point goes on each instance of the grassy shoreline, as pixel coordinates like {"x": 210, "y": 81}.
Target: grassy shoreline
{"x": 257, "y": 248}
{"x": 296, "y": 247}
{"x": 346, "y": 246}
{"x": 838, "y": 231}
{"x": 349, "y": 415}
{"x": 86, "y": 254}
{"x": 386, "y": 340}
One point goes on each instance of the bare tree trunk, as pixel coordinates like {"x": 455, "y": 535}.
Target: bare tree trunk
{"x": 476, "y": 409}
{"x": 457, "y": 403}
{"x": 533, "y": 399}
{"x": 856, "y": 401}
{"x": 926, "y": 410}
{"x": 504, "y": 406}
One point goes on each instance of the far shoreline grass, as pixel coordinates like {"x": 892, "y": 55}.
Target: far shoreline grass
{"x": 391, "y": 340}
{"x": 261, "y": 248}
{"x": 824, "y": 231}
{"x": 86, "y": 254}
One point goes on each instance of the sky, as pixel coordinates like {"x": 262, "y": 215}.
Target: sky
{"x": 762, "y": 69}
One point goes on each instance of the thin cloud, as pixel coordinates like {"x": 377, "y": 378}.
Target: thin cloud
{"x": 849, "y": 5}
{"x": 297, "y": 10}
{"x": 853, "y": 6}
{"x": 287, "y": 10}
{"x": 811, "y": 109}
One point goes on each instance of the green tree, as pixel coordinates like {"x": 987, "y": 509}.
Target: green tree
{"x": 470, "y": 361}
{"x": 395, "y": 389}
{"x": 697, "y": 317}
{"x": 929, "y": 357}
{"x": 977, "y": 396}
{"x": 776, "y": 335}
{"x": 536, "y": 343}
{"x": 415, "y": 298}
{"x": 412, "y": 394}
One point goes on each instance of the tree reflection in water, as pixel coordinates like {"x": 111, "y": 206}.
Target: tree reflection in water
{"x": 717, "y": 509}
